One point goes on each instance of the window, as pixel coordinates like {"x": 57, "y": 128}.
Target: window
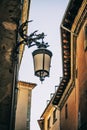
{"x": 85, "y": 37}
{"x": 54, "y": 115}
{"x": 48, "y": 125}
{"x": 42, "y": 128}
{"x": 41, "y": 122}
{"x": 66, "y": 111}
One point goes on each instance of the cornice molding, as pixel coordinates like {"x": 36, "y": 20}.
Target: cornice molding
{"x": 25, "y": 85}
{"x": 82, "y": 15}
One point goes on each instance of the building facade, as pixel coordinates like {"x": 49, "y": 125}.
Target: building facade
{"x": 71, "y": 96}
{"x": 50, "y": 119}
{"x": 12, "y": 13}
{"x": 23, "y": 108}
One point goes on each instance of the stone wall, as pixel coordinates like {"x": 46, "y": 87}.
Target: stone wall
{"x": 10, "y": 14}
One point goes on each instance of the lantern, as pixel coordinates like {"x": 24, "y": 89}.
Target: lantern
{"x": 42, "y": 61}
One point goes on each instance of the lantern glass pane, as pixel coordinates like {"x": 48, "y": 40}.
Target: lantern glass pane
{"x": 47, "y": 62}
{"x": 38, "y": 62}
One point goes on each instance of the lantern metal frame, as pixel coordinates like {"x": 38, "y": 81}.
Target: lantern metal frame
{"x": 33, "y": 39}
{"x": 42, "y": 73}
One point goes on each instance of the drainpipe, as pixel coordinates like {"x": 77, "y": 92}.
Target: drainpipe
{"x": 62, "y": 26}
{"x": 13, "y": 105}
{"x": 65, "y": 28}
{"x": 76, "y": 35}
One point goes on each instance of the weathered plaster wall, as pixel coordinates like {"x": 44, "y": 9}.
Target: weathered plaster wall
{"x": 69, "y": 123}
{"x": 10, "y": 14}
{"x": 22, "y": 121}
{"x": 53, "y": 125}
{"x": 82, "y": 78}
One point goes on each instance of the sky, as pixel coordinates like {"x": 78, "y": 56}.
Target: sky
{"x": 47, "y": 16}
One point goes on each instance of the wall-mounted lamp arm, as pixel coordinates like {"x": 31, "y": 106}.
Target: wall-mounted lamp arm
{"x": 41, "y": 56}
{"x": 22, "y": 29}
{"x": 31, "y": 40}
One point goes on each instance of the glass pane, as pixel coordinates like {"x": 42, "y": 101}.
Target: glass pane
{"x": 47, "y": 62}
{"x": 38, "y": 62}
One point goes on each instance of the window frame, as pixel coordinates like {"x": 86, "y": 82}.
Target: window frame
{"x": 66, "y": 111}
{"x": 54, "y": 115}
{"x": 48, "y": 123}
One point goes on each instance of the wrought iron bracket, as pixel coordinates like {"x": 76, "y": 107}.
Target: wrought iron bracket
{"x": 32, "y": 39}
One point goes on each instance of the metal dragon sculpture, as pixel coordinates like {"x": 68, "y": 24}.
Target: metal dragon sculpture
{"x": 32, "y": 39}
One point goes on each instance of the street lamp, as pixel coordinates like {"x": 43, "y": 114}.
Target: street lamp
{"x": 41, "y": 56}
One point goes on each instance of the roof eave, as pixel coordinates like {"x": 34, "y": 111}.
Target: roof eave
{"x": 65, "y": 26}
